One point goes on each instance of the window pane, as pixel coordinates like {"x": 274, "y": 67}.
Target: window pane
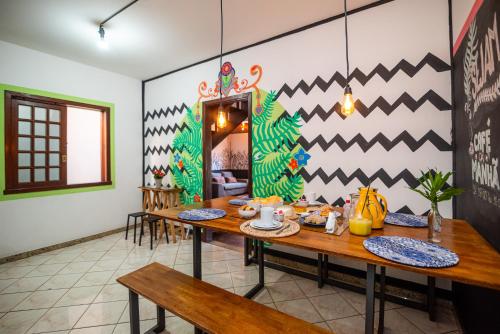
{"x": 39, "y": 174}
{"x": 54, "y": 144}
{"x": 24, "y": 111}
{"x": 40, "y": 129}
{"x": 40, "y": 144}
{"x": 23, "y": 159}
{"x": 54, "y": 174}
{"x": 39, "y": 159}
{"x": 23, "y": 175}
{"x": 54, "y": 130}
{"x": 24, "y": 128}
{"x": 24, "y": 144}
{"x": 54, "y": 115}
{"x": 54, "y": 159}
{"x": 40, "y": 114}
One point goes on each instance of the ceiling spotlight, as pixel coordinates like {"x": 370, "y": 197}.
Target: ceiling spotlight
{"x": 103, "y": 44}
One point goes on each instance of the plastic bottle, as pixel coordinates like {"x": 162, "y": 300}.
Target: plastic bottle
{"x": 347, "y": 208}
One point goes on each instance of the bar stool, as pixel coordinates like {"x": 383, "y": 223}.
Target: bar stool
{"x": 135, "y": 215}
{"x": 152, "y": 221}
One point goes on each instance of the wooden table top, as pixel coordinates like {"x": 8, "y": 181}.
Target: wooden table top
{"x": 210, "y": 308}
{"x": 479, "y": 262}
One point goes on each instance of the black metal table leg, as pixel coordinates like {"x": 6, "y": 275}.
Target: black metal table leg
{"x": 370, "y": 298}
{"x": 133, "y": 300}
{"x": 320, "y": 270}
{"x": 381, "y": 313}
{"x": 246, "y": 251}
{"x": 431, "y": 298}
{"x": 260, "y": 285}
{"x": 325, "y": 267}
{"x": 197, "y": 259}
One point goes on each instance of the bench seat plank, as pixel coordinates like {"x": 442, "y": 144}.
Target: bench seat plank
{"x": 210, "y": 308}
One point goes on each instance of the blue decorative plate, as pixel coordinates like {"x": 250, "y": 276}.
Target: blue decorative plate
{"x": 411, "y": 252}
{"x": 202, "y": 214}
{"x": 237, "y": 201}
{"x": 403, "y": 219}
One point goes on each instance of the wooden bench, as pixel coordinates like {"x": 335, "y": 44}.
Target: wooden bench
{"x": 209, "y": 308}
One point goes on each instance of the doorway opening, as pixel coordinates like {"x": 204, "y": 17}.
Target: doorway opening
{"x": 227, "y": 155}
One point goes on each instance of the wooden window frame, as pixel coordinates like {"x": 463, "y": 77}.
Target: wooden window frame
{"x": 12, "y": 185}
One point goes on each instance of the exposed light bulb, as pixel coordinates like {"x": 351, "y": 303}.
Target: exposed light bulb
{"x": 102, "y": 43}
{"x": 348, "y": 102}
{"x": 221, "y": 118}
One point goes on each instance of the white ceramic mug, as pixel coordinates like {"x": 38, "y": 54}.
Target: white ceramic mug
{"x": 266, "y": 215}
{"x": 310, "y": 197}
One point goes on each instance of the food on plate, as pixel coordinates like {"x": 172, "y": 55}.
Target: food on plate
{"x": 247, "y": 208}
{"x": 325, "y": 210}
{"x": 315, "y": 219}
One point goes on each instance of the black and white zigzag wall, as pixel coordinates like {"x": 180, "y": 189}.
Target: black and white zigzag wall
{"x": 401, "y": 80}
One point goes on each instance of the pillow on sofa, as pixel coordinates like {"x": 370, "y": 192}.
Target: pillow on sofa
{"x": 216, "y": 174}
{"x": 231, "y": 179}
{"x": 219, "y": 179}
{"x": 227, "y": 174}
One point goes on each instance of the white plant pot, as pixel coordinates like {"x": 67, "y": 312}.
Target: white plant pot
{"x": 158, "y": 183}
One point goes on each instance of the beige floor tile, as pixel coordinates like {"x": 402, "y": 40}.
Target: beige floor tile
{"x": 333, "y": 306}
{"x": 16, "y": 272}
{"x": 6, "y": 282}
{"x": 77, "y": 267}
{"x": 79, "y": 296}
{"x": 272, "y": 275}
{"x": 262, "y": 297}
{"x": 211, "y": 268}
{"x": 178, "y": 326}
{"x": 239, "y": 265}
{"x": 445, "y": 320}
{"x": 59, "y": 318}
{"x": 221, "y": 280}
{"x": 94, "y": 330}
{"x": 323, "y": 325}
{"x": 96, "y": 278}
{"x": 105, "y": 265}
{"x": 26, "y": 284}
{"x": 10, "y": 300}
{"x": 245, "y": 277}
{"x": 185, "y": 268}
{"x": 19, "y": 322}
{"x": 167, "y": 260}
{"x": 63, "y": 258}
{"x": 350, "y": 325}
{"x": 147, "y": 311}
{"x": 90, "y": 256}
{"x": 358, "y": 301}
{"x": 102, "y": 314}
{"x": 282, "y": 291}
{"x": 2, "y": 314}
{"x": 395, "y": 323}
{"x": 310, "y": 288}
{"x": 34, "y": 260}
{"x": 299, "y": 308}
{"x": 46, "y": 270}
{"x": 184, "y": 258}
{"x": 61, "y": 281}
{"x": 111, "y": 293}
{"x": 40, "y": 299}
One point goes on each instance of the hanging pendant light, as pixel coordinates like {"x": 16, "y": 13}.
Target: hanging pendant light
{"x": 348, "y": 101}
{"x": 221, "y": 114}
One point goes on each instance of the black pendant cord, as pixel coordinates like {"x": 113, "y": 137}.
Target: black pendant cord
{"x": 346, "y": 42}
{"x": 220, "y": 59}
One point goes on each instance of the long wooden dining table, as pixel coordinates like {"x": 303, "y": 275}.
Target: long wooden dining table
{"x": 478, "y": 265}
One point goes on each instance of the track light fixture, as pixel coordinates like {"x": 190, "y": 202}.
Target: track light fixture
{"x": 103, "y": 44}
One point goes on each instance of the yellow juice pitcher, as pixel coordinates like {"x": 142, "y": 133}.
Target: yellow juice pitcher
{"x": 376, "y": 211}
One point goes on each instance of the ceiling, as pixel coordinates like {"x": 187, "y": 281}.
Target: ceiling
{"x": 153, "y": 36}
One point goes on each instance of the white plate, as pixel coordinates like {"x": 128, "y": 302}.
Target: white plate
{"x": 257, "y": 224}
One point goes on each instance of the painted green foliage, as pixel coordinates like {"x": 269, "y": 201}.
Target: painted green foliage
{"x": 186, "y": 161}
{"x": 274, "y": 148}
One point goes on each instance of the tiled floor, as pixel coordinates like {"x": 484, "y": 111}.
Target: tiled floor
{"x": 73, "y": 290}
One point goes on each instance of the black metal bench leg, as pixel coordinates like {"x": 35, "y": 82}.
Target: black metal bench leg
{"x": 126, "y": 231}
{"x": 320, "y": 270}
{"x": 134, "y": 312}
{"x": 381, "y": 313}
{"x": 197, "y": 259}
{"x": 431, "y": 298}
{"x": 370, "y": 298}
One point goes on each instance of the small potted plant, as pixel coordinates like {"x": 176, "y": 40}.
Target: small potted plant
{"x": 158, "y": 176}
{"x": 435, "y": 189}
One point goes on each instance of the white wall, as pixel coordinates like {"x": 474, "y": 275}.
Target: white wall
{"x": 28, "y": 224}
{"x": 460, "y": 12}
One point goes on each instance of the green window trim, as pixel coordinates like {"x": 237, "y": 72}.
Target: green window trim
{"x": 111, "y": 106}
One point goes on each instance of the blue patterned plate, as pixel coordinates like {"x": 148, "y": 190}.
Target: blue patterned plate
{"x": 202, "y": 214}
{"x": 237, "y": 201}
{"x": 403, "y": 219}
{"x": 411, "y": 252}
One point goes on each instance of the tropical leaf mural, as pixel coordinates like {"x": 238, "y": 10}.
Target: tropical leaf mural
{"x": 186, "y": 161}
{"x": 277, "y": 158}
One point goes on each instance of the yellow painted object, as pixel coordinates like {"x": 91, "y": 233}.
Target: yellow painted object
{"x": 376, "y": 212}
{"x": 360, "y": 226}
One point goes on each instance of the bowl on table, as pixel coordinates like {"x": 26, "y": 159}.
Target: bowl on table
{"x": 247, "y": 211}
